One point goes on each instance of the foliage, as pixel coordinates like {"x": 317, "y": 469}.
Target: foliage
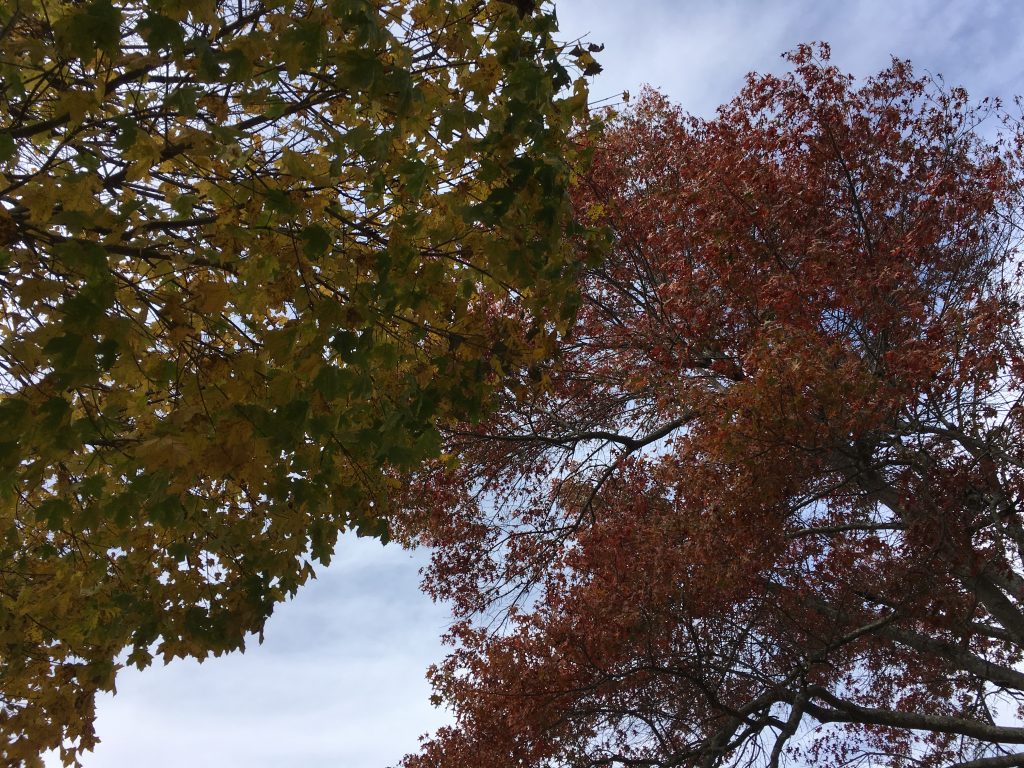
{"x": 768, "y": 505}
{"x": 238, "y": 246}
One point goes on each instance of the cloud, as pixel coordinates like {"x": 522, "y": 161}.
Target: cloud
{"x": 700, "y": 51}
{"x": 340, "y": 681}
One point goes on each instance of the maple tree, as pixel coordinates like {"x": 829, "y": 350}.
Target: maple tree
{"x": 238, "y": 246}
{"x": 766, "y": 505}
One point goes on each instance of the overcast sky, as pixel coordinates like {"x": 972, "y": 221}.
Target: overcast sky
{"x": 339, "y": 682}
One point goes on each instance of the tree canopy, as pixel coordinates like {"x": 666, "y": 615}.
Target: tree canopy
{"x": 240, "y": 243}
{"x": 767, "y": 503}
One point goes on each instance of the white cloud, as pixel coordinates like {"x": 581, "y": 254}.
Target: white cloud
{"x": 339, "y": 681}
{"x": 699, "y": 51}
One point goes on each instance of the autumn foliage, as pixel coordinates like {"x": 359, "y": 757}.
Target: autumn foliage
{"x": 238, "y": 244}
{"x": 767, "y": 504}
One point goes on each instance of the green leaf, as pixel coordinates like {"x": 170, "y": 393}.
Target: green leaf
{"x": 322, "y": 538}
{"x": 414, "y": 175}
{"x": 278, "y": 201}
{"x": 10, "y": 457}
{"x": 361, "y": 69}
{"x": 7, "y": 147}
{"x": 97, "y": 26}
{"x": 333, "y": 382}
{"x": 53, "y": 512}
{"x": 184, "y": 101}
{"x": 106, "y": 352}
{"x": 240, "y": 66}
{"x": 316, "y": 239}
{"x": 63, "y": 349}
{"x": 162, "y": 33}
{"x": 183, "y": 205}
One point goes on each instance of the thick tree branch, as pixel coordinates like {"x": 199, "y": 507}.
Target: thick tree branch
{"x": 1014, "y": 760}
{"x": 847, "y": 712}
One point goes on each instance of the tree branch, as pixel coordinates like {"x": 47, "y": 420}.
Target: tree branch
{"x": 847, "y": 712}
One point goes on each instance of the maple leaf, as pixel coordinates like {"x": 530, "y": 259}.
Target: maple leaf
{"x": 237, "y": 239}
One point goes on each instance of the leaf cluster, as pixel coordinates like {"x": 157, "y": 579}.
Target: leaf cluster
{"x": 767, "y": 506}
{"x": 240, "y": 244}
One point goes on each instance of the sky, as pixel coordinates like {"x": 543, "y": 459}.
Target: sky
{"x": 339, "y": 681}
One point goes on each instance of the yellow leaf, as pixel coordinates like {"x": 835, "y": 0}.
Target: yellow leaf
{"x": 77, "y": 104}
{"x": 40, "y": 198}
{"x": 143, "y": 154}
{"x": 211, "y": 297}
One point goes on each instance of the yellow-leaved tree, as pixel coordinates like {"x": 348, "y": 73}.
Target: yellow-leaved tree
{"x": 239, "y": 247}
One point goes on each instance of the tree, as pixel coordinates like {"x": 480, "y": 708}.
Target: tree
{"x": 767, "y": 507}
{"x": 240, "y": 241}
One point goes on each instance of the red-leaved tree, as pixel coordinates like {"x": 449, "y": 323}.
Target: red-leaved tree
{"x": 766, "y": 506}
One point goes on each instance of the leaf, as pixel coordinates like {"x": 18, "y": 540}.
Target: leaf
{"x": 161, "y": 32}
{"x": 95, "y": 26}
{"x": 53, "y": 512}
{"x": 316, "y": 240}
{"x": 7, "y": 147}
